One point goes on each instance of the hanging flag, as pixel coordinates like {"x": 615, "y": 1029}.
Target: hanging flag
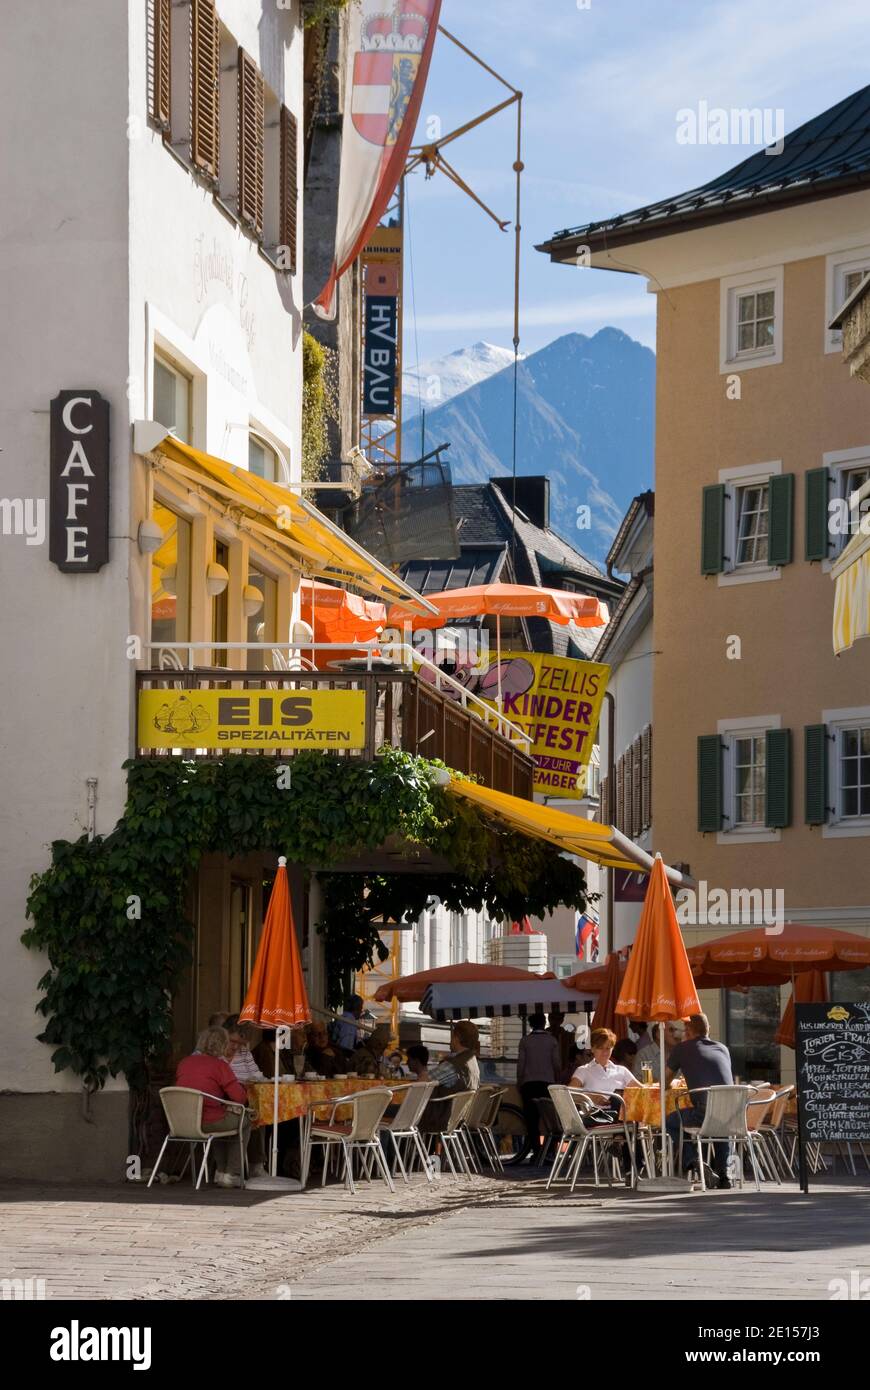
{"x": 586, "y": 935}
{"x": 389, "y": 50}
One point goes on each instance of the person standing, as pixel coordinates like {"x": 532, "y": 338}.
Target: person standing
{"x": 703, "y": 1062}
{"x": 347, "y": 1029}
{"x": 538, "y": 1067}
{"x": 564, "y": 1037}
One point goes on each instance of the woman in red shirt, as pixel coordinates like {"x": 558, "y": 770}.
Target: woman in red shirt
{"x": 207, "y": 1070}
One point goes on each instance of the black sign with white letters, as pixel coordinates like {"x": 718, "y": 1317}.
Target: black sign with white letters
{"x": 79, "y": 493}
{"x": 380, "y": 354}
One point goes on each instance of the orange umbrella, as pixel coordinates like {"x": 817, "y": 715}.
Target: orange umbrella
{"x": 760, "y": 956}
{"x": 276, "y": 996}
{"x": 338, "y": 616}
{"x": 412, "y": 987}
{"x": 605, "y": 1015}
{"x": 593, "y": 980}
{"x": 658, "y": 980}
{"x": 506, "y": 601}
{"x": 810, "y": 987}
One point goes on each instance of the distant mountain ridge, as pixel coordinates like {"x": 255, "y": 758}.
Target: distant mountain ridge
{"x": 437, "y": 381}
{"x": 585, "y": 418}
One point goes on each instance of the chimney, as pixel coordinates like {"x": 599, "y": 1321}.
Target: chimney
{"x": 533, "y": 497}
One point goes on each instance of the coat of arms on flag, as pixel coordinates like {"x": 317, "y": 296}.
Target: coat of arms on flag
{"x": 586, "y": 936}
{"x": 385, "y": 71}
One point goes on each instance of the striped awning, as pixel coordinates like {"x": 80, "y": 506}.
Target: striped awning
{"x": 851, "y": 574}
{"x": 502, "y": 999}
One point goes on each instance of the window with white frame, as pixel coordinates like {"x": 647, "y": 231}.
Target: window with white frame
{"x": 458, "y": 938}
{"x": 263, "y": 460}
{"x": 848, "y": 472}
{"x": 845, "y": 271}
{"x": 751, "y": 524}
{"x": 853, "y": 771}
{"x": 173, "y": 391}
{"x": 751, "y": 319}
{"x": 748, "y": 780}
{"x": 849, "y": 481}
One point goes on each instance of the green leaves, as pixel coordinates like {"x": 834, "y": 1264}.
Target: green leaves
{"x": 107, "y": 993}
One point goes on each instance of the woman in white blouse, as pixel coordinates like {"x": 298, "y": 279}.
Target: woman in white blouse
{"x": 601, "y": 1074}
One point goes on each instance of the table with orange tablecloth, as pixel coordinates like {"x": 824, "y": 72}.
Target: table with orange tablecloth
{"x": 643, "y": 1104}
{"x": 294, "y": 1097}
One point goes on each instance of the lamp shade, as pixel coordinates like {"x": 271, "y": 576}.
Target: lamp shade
{"x": 252, "y": 600}
{"x": 149, "y": 537}
{"x": 169, "y": 579}
{"x": 216, "y": 579}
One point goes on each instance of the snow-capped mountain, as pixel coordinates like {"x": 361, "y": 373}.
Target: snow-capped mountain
{"x": 435, "y": 382}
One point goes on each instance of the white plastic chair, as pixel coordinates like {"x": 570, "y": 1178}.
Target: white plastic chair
{"x": 402, "y": 1128}
{"x": 575, "y": 1133}
{"x": 359, "y": 1135}
{"x": 182, "y": 1107}
{"x": 726, "y": 1118}
{"x": 478, "y": 1121}
{"x": 450, "y": 1133}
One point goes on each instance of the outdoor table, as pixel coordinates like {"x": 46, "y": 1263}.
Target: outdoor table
{"x": 295, "y": 1097}
{"x": 643, "y": 1104}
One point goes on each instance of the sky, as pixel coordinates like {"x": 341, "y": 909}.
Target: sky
{"x": 603, "y": 81}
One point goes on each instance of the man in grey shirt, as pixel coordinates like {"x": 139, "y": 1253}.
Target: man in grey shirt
{"x": 703, "y": 1062}
{"x": 538, "y": 1066}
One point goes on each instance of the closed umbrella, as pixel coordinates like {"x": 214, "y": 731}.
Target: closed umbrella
{"x": 339, "y": 616}
{"x": 277, "y": 997}
{"x": 811, "y": 987}
{"x": 658, "y": 982}
{"x": 605, "y": 1015}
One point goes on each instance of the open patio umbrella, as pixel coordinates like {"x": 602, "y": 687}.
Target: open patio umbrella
{"x": 605, "y": 1015}
{"x": 592, "y": 980}
{"x": 811, "y": 987}
{"x": 761, "y": 956}
{"x": 276, "y": 996}
{"x": 410, "y": 988}
{"x": 658, "y": 982}
{"x": 508, "y": 601}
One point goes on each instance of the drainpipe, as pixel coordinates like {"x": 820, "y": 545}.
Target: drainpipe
{"x": 610, "y": 700}
{"x": 92, "y": 807}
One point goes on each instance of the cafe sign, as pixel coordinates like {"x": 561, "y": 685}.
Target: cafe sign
{"x": 221, "y": 719}
{"x": 78, "y": 533}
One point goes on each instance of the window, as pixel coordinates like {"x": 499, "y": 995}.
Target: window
{"x": 172, "y": 397}
{"x": 458, "y": 938}
{"x": 752, "y": 524}
{"x": 751, "y": 1021}
{"x": 751, "y": 320}
{"x": 220, "y": 608}
{"x": 854, "y": 771}
{"x": 262, "y": 625}
{"x": 755, "y": 321}
{"x": 747, "y": 523}
{"x": 748, "y": 781}
{"x": 170, "y": 580}
{"x": 844, "y": 273}
{"x": 263, "y": 460}
{"x": 830, "y": 519}
{"x": 850, "y": 986}
{"x": 421, "y": 934}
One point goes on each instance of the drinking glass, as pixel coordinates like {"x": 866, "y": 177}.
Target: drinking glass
{"x": 298, "y": 1064}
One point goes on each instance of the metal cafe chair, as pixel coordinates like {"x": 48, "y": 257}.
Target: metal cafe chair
{"x": 357, "y": 1136}
{"x": 450, "y": 1134}
{"x": 571, "y": 1106}
{"x": 403, "y": 1128}
{"x": 182, "y": 1107}
{"x": 476, "y": 1126}
{"x": 726, "y": 1118}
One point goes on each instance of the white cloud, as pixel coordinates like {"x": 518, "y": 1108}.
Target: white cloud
{"x": 599, "y": 310}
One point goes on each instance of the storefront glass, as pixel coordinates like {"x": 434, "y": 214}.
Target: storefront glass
{"x": 262, "y": 626}
{"x": 751, "y": 1021}
{"x": 170, "y": 579}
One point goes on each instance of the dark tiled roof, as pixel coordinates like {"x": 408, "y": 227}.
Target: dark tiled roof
{"x": 474, "y": 566}
{"x": 828, "y": 154}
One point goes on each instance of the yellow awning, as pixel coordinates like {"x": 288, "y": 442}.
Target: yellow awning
{"x": 851, "y": 575}
{"x": 317, "y": 546}
{"x": 588, "y": 839}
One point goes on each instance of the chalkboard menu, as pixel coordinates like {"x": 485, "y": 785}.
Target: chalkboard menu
{"x": 833, "y": 1072}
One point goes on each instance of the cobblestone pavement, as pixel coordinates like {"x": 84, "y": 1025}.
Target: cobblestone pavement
{"x": 487, "y": 1239}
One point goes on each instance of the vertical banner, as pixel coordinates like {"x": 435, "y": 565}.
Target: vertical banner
{"x": 380, "y": 349}
{"x": 78, "y": 536}
{"x": 389, "y": 50}
{"x": 557, "y": 701}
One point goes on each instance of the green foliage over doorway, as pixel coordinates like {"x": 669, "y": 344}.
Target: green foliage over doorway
{"x": 110, "y": 913}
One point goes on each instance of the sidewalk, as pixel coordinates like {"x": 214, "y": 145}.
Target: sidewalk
{"x": 482, "y": 1239}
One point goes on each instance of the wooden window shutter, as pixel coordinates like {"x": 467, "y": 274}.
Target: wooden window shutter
{"x": 619, "y": 798}
{"x": 251, "y": 121}
{"x": 159, "y": 63}
{"x": 636, "y": 798}
{"x": 604, "y": 812}
{"x": 815, "y": 774}
{"x": 626, "y": 792}
{"x": 646, "y": 778}
{"x": 781, "y": 504}
{"x": 713, "y": 529}
{"x": 777, "y": 790}
{"x": 709, "y": 782}
{"x": 816, "y": 534}
{"x": 289, "y": 195}
{"x": 205, "y": 70}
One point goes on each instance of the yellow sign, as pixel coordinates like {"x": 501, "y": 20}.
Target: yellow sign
{"x": 839, "y": 1014}
{"x": 557, "y": 702}
{"x": 253, "y": 719}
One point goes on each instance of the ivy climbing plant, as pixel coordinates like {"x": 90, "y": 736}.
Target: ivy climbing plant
{"x": 111, "y": 913}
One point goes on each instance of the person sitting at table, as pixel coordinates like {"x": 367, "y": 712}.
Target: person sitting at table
{"x": 609, "y": 1079}
{"x": 650, "y": 1056}
{"x": 625, "y": 1053}
{"x": 418, "y": 1062}
{"x": 207, "y": 1070}
{"x": 458, "y": 1071}
{"x": 320, "y": 1055}
{"x": 703, "y": 1063}
{"x": 242, "y": 1037}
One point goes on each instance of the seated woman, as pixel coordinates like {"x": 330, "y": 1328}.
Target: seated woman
{"x": 320, "y": 1055}
{"x": 602, "y": 1074}
{"x": 207, "y": 1070}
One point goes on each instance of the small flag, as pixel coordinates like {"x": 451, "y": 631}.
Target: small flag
{"x": 582, "y": 932}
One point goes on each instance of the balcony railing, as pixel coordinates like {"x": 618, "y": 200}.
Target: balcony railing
{"x": 413, "y": 706}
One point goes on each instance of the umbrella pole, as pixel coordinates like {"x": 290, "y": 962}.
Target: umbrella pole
{"x": 273, "y": 1160}
{"x": 498, "y": 657}
{"x": 666, "y": 1166}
